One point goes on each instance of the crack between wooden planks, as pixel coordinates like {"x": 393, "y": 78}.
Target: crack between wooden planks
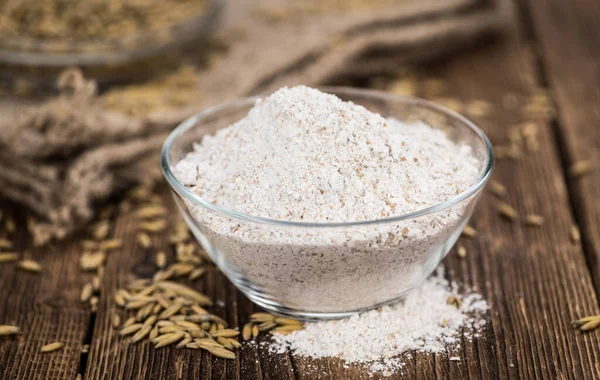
{"x": 529, "y": 34}
{"x": 87, "y": 339}
{"x": 293, "y": 365}
{"x": 89, "y": 334}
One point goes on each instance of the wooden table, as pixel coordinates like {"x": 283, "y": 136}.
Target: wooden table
{"x": 536, "y": 279}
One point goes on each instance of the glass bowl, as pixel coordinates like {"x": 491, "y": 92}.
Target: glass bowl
{"x": 111, "y": 59}
{"x": 314, "y": 271}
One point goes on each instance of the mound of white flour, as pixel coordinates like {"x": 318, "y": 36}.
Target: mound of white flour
{"x": 306, "y": 156}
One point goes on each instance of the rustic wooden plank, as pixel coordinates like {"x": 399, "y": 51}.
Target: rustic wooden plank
{"x": 47, "y": 309}
{"x": 566, "y": 36}
{"x": 535, "y": 279}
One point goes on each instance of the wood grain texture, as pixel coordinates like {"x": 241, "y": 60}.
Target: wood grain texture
{"x": 535, "y": 279}
{"x": 567, "y": 39}
{"x": 47, "y": 309}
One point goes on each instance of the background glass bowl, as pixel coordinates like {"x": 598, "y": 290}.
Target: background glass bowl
{"x": 109, "y": 60}
{"x": 323, "y": 271}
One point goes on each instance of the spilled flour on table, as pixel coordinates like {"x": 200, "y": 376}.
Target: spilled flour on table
{"x": 422, "y": 322}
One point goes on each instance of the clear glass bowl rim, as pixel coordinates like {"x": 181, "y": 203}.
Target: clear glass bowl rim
{"x": 189, "y": 123}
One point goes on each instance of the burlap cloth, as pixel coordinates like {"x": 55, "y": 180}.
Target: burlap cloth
{"x": 63, "y": 156}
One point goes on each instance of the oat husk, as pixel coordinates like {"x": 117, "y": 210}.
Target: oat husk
{"x": 6, "y": 257}
{"x": 587, "y": 323}
{"x": 52, "y": 347}
{"x": 6, "y": 330}
{"x": 462, "y": 252}
{"x": 63, "y": 155}
{"x": 30, "y": 266}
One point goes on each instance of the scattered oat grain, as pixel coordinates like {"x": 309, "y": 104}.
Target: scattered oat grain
{"x": 96, "y": 283}
{"x": 262, "y": 317}
{"x": 91, "y": 260}
{"x": 94, "y": 303}
{"x": 507, "y": 211}
{"x": 220, "y": 352}
{"x": 52, "y": 347}
{"x": 161, "y": 259}
{"x": 151, "y": 211}
{"x": 288, "y": 321}
{"x": 587, "y": 323}
{"x": 116, "y": 320}
{"x": 534, "y": 220}
{"x": 5, "y": 244}
{"x": 86, "y": 292}
{"x": 144, "y": 240}
{"x": 6, "y": 257}
{"x": 30, "y": 265}
{"x": 575, "y": 234}
{"x": 169, "y": 339}
{"x": 197, "y": 273}
{"x": 247, "y": 331}
{"x": 581, "y": 168}
{"x": 131, "y": 329}
{"x": 101, "y": 229}
{"x": 154, "y": 226}
{"x": 129, "y": 322}
{"x": 226, "y": 333}
{"x": 469, "y": 232}
{"x": 141, "y": 334}
{"x": 286, "y": 329}
{"x": 462, "y": 252}
{"x": 6, "y": 330}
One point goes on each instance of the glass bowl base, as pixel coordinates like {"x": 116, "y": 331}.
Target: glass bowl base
{"x": 308, "y": 316}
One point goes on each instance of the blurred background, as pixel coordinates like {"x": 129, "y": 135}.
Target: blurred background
{"x": 90, "y": 88}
